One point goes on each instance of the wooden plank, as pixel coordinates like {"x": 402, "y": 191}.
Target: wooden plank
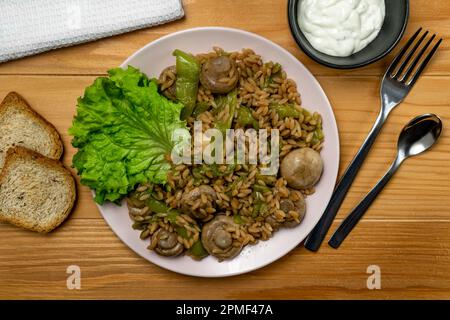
{"x": 268, "y": 19}
{"x": 418, "y": 191}
{"x": 413, "y": 257}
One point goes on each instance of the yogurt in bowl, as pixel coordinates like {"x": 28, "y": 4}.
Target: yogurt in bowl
{"x": 393, "y": 27}
{"x": 341, "y": 28}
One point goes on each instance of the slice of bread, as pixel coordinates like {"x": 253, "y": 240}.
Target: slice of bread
{"x": 36, "y": 193}
{"x": 20, "y": 125}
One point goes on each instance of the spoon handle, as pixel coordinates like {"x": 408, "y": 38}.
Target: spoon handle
{"x": 352, "y": 219}
{"x": 319, "y": 232}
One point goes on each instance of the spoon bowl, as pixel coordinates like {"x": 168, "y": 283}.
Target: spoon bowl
{"x": 419, "y": 135}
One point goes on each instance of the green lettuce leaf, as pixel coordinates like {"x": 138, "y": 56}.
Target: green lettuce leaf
{"x": 123, "y": 131}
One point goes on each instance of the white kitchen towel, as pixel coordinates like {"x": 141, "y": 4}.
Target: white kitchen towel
{"x": 29, "y": 27}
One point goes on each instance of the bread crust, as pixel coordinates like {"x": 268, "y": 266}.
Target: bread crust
{"x": 15, "y": 100}
{"x": 22, "y": 153}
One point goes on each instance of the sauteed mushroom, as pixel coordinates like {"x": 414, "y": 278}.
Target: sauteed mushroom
{"x": 136, "y": 206}
{"x": 299, "y": 207}
{"x": 294, "y": 210}
{"x": 302, "y": 168}
{"x": 198, "y": 202}
{"x": 169, "y": 92}
{"x": 218, "y": 241}
{"x": 274, "y": 223}
{"x": 219, "y": 75}
{"x": 165, "y": 243}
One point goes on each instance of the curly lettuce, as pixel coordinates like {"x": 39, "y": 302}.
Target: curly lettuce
{"x": 123, "y": 131}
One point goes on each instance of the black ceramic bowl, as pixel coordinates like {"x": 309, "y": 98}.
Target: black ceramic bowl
{"x": 391, "y": 32}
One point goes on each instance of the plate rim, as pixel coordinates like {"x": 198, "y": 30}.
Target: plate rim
{"x": 334, "y": 129}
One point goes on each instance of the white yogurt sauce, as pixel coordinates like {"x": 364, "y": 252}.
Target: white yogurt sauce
{"x": 341, "y": 27}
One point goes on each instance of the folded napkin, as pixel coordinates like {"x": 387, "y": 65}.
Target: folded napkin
{"x": 28, "y": 27}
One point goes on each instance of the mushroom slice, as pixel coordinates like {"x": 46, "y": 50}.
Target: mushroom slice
{"x": 133, "y": 200}
{"x": 165, "y": 243}
{"x": 169, "y": 76}
{"x": 274, "y": 223}
{"x": 297, "y": 208}
{"x": 292, "y": 209}
{"x": 219, "y": 75}
{"x": 196, "y": 203}
{"x": 218, "y": 241}
{"x": 136, "y": 206}
{"x": 302, "y": 168}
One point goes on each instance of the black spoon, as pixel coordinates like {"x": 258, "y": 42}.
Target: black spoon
{"x": 416, "y": 137}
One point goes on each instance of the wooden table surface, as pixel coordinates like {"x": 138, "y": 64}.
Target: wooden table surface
{"x": 406, "y": 232}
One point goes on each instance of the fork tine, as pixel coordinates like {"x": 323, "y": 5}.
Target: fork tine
{"x": 424, "y": 64}
{"x": 397, "y": 59}
{"x": 416, "y": 60}
{"x": 409, "y": 56}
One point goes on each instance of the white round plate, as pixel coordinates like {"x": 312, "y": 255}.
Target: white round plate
{"x": 157, "y": 55}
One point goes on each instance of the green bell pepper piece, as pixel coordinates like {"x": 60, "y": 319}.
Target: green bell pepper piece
{"x": 188, "y": 74}
{"x": 197, "y": 251}
{"x": 285, "y": 110}
{"x": 245, "y": 118}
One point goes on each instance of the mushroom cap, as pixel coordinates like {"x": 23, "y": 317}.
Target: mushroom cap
{"x": 134, "y": 202}
{"x": 216, "y": 69}
{"x": 302, "y": 168}
{"x": 217, "y": 240}
{"x": 166, "y": 243}
{"x": 299, "y": 206}
{"x": 274, "y": 223}
{"x": 287, "y": 205}
{"x": 170, "y": 92}
{"x": 189, "y": 201}
{"x": 136, "y": 206}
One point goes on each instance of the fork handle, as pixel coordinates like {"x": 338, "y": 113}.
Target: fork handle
{"x": 316, "y": 236}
